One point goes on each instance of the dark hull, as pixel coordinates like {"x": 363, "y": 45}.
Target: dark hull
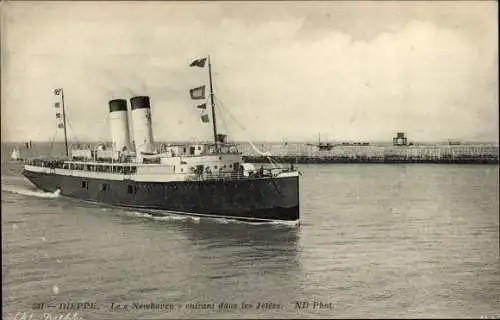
{"x": 244, "y": 199}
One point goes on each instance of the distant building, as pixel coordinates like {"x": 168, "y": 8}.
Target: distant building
{"x": 355, "y": 143}
{"x": 400, "y": 139}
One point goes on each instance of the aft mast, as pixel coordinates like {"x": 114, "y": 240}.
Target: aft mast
{"x": 198, "y": 93}
{"x": 214, "y": 122}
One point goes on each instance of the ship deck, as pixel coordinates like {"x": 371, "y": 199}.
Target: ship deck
{"x": 129, "y": 170}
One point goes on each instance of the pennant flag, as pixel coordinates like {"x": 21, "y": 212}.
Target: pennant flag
{"x": 198, "y": 63}
{"x": 202, "y": 106}
{"x": 57, "y": 91}
{"x": 204, "y": 118}
{"x": 57, "y": 105}
{"x": 58, "y": 115}
{"x": 197, "y": 93}
{"x": 60, "y": 125}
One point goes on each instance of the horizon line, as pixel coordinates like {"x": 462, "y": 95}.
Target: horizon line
{"x": 262, "y": 141}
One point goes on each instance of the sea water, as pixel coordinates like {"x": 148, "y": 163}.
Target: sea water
{"x": 383, "y": 240}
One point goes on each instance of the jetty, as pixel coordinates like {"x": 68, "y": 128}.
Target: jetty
{"x": 475, "y": 153}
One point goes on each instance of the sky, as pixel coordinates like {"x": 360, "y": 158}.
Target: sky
{"x": 282, "y": 70}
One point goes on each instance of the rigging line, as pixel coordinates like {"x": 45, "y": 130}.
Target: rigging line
{"x": 220, "y": 103}
{"x": 244, "y": 129}
{"x": 237, "y": 122}
{"x": 72, "y": 131}
{"x": 226, "y": 110}
{"x": 68, "y": 123}
{"x": 52, "y": 141}
{"x": 232, "y": 116}
{"x": 223, "y": 118}
{"x": 265, "y": 154}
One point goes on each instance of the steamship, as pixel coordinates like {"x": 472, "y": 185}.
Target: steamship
{"x": 195, "y": 179}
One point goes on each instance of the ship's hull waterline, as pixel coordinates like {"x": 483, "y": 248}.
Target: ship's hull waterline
{"x": 253, "y": 200}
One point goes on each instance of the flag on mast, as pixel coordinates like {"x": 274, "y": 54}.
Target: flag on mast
{"x": 198, "y": 63}
{"x": 197, "y": 93}
{"x": 204, "y": 118}
{"x": 57, "y": 105}
{"x": 202, "y": 106}
{"x": 60, "y": 125}
{"x": 58, "y": 115}
{"x": 57, "y": 91}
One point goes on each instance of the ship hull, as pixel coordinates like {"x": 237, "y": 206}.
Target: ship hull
{"x": 244, "y": 199}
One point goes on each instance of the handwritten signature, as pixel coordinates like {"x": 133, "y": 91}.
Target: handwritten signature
{"x": 43, "y": 316}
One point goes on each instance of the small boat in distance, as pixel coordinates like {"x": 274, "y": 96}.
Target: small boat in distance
{"x": 15, "y": 155}
{"x": 322, "y": 146}
{"x": 195, "y": 179}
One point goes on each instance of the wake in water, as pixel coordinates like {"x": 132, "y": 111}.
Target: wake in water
{"x": 26, "y": 191}
{"x": 170, "y": 216}
{"x": 166, "y": 217}
{"x": 253, "y": 223}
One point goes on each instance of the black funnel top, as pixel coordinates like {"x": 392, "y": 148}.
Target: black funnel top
{"x": 140, "y": 102}
{"x": 117, "y": 105}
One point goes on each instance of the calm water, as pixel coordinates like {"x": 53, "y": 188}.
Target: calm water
{"x": 375, "y": 241}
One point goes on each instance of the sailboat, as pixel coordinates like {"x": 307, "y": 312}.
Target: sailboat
{"x": 15, "y": 155}
{"x": 195, "y": 179}
{"x": 322, "y": 146}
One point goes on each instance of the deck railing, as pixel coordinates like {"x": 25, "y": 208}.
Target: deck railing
{"x": 266, "y": 173}
{"x": 93, "y": 169}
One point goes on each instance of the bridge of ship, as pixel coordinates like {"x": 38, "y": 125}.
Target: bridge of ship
{"x": 104, "y": 152}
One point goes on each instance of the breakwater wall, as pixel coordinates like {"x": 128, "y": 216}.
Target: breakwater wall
{"x": 467, "y": 154}
{"x": 304, "y": 153}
